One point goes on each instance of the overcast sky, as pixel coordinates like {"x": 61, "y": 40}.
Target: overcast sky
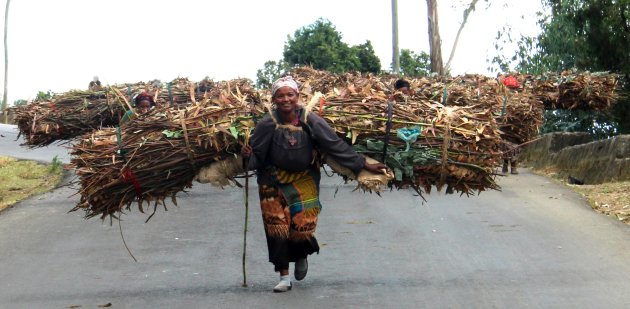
{"x": 60, "y": 45}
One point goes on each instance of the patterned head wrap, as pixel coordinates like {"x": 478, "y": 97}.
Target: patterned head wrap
{"x": 286, "y": 81}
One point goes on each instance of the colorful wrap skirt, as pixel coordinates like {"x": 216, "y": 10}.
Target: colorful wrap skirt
{"x": 290, "y": 205}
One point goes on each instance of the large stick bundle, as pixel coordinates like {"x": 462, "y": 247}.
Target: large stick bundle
{"x": 156, "y": 156}
{"x": 152, "y": 158}
{"x": 71, "y": 114}
{"x": 428, "y": 144}
{"x": 572, "y": 90}
{"x": 518, "y": 113}
{"x": 67, "y": 115}
{"x": 425, "y": 142}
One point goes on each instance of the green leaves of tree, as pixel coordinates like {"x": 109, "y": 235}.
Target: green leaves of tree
{"x": 414, "y": 65}
{"x": 320, "y": 45}
{"x": 588, "y": 35}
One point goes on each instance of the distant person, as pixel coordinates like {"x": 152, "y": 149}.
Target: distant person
{"x": 142, "y": 104}
{"x": 95, "y": 84}
{"x": 403, "y": 86}
{"x": 510, "y": 157}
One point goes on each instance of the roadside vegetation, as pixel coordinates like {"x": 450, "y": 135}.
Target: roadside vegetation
{"x": 20, "y": 179}
{"x": 610, "y": 198}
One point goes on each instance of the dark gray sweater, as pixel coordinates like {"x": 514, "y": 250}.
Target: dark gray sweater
{"x": 292, "y": 149}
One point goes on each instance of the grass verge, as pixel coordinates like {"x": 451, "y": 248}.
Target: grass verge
{"x": 610, "y": 198}
{"x": 20, "y": 179}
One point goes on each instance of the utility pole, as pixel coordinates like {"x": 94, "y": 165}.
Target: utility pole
{"x": 396, "y": 62}
{"x": 6, "y": 63}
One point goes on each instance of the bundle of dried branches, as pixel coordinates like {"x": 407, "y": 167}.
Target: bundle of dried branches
{"x": 155, "y": 156}
{"x": 152, "y": 158}
{"x": 71, "y": 114}
{"x": 573, "y": 90}
{"x": 423, "y": 142}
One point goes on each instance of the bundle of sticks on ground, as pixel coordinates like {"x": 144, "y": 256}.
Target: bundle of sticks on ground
{"x": 152, "y": 158}
{"x": 71, "y": 114}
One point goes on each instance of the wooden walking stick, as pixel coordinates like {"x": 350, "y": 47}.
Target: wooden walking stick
{"x": 245, "y": 165}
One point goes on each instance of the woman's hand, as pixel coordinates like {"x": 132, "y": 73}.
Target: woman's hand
{"x": 376, "y": 168}
{"x": 246, "y": 151}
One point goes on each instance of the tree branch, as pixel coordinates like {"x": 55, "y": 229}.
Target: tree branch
{"x": 470, "y": 8}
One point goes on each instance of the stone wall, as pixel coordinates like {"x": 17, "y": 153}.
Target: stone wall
{"x": 574, "y": 154}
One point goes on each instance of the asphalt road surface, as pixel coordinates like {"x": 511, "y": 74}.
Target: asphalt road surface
{"x": 10, "y": 146}
{"x": 533, "y": 245}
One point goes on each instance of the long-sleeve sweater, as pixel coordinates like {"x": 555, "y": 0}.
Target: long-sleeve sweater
{"x": 270, "y": 143}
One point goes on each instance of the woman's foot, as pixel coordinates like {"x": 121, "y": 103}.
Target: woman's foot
{"x": 284, "y": 285}
{"x": 301, "y": 268}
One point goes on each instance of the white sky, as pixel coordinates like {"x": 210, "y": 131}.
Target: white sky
{"x": 60, "y": 45}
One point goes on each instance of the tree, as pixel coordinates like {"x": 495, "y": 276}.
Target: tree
{"x": 319, "y": 45}
{"x": 368, "y": 60}
{"x": 591, "y": 35}
{"x": 19, "y": 102}
{"x": 471, "y": 7}
{"x": 271, "y": 71}
{"x": 435, "y": 42}
{"x": 414, "y": 65}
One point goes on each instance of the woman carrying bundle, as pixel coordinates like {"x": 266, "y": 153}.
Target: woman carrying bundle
{"x": 283, "y": 149}
{"x": 143, "y": 103}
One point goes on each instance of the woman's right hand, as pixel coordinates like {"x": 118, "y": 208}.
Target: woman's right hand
{"x": 246, "y": 151}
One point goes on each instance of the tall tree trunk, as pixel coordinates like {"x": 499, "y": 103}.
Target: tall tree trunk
{"x": 396, "y": 51}
{"x": 6, "y": 62}
{"x": 435, "y": 43}
{"x": 470, "y": 8}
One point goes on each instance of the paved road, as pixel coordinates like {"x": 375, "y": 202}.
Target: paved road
{"x": 534, "y": 245}
{"x": 9, "y": 145}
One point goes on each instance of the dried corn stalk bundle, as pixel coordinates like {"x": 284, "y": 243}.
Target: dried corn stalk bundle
{"x": 428, "y": 144}
{"x": 67, "y": 115}
{"x": 71, "y": 114}
{"x": 573, "y": 90}
{"x": 519, "y": 113}
{"x": 519, "y": 117}
{"x": 153, "y": 157}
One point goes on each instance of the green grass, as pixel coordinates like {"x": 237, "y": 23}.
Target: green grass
{"x": 20, "y": 179}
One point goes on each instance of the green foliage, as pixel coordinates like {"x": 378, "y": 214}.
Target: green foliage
{"x": 587, "y": 35}
{"x": 271, "y": 71}
{"x": 367, "y": 58}
{"x": 319, "y": 45}
{"x": 56, "y": 166}
{"x": 44, "y": 96}
{"x": 173, "y": 134}
{"x": 584, "y": 34}
{"x": 399, "y": 160}
{"x": 19, "y": 102}
{"x": 414, "y": 65}
{"x": 597, "y": 124}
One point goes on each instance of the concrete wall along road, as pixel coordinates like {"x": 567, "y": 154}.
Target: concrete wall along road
{"x": 575, "y": 155}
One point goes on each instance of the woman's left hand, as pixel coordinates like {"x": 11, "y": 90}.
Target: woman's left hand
{"x": 376, "y": 168}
